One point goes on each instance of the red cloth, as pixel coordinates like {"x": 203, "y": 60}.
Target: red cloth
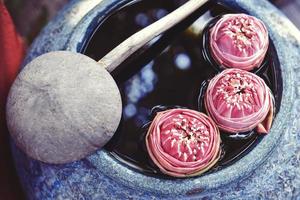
{"x": 11, "y": 55}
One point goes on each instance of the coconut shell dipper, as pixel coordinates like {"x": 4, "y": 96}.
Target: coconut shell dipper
{"x": 63, "y": 105}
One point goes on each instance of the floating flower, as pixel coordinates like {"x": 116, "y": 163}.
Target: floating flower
{"x": 183, "y": 142}
{"x": 239, "y": 101}
{"x": 239, "y": 41}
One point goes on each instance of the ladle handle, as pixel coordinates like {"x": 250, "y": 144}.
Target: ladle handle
{"x": 120, "y": 53}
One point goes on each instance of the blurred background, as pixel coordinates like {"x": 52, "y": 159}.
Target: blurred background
{"x": 38, "y": 12}
{"x": 30, "y": 16}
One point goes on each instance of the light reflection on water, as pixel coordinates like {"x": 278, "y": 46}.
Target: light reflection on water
{"x": 137, "y": 87}
{"x": 142, "y": 19}
{"x": 183, "y": 61}
{"x": 160, "y": 13}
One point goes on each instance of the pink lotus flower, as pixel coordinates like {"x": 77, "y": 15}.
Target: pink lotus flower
{"x": 239, "y": 41}
{"x": 239, "y": 101}
{"x": 183, "y": 142}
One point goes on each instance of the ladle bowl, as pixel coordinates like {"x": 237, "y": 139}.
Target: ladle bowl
{"x": 62, "y": 107}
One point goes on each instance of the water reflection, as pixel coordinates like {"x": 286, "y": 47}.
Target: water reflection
{"x": 130, "y": 110}
{"x": 183, "y": 61}
{"x": 137, "y": 88}
{"x": 160, "y": 13}
{"x": 142, "y": 19}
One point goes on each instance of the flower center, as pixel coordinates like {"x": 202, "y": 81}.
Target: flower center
{"x": 241, "y": 31}
{"x": 185, "y": 138}
{"x": 236, "y": 94}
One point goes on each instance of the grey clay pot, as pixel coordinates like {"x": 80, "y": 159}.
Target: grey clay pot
{"x": 270, "y": 170}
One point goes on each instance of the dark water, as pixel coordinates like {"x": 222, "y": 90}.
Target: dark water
{"x": 172, "y": 70}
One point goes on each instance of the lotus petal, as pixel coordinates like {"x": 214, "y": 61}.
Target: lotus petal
{"x": 239, "y": 41}
{"x": 183, "y": 142}
{"x": 248, "y": 101}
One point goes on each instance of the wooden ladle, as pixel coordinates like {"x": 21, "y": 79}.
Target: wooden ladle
{"x": 63, "y": 105}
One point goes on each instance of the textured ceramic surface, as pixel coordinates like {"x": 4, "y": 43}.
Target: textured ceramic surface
{"x": 99, "y": 176}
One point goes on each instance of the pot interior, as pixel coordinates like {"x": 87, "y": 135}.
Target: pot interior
{"x": 170, "y": 71}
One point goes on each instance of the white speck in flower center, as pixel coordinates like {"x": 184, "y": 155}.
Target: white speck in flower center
{"x": 189, "y": 138}
{"x": 236, "y": 90}
{"x": 241, "y": 30}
